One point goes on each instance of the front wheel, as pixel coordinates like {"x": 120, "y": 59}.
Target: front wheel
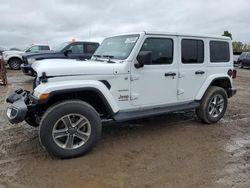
{"x": 15, "y": 63}
{"x": 70, "y": 129}
{"x": 213, "y": 105}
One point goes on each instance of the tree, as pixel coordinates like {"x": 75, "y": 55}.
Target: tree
{"x": 227, "y": 34}
{"x": 240, "y": 47}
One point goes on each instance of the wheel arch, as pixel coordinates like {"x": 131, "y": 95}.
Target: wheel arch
{"x": 14, "y": 57}
{"x": 91, "y": 95}
{"x": 220, "y": 81}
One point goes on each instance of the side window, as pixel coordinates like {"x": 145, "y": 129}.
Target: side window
{"x": 192, "y": 51}
{"x": 44, "y": 48}
{"x": 33, "y": 49}
{"x": 90, "y": 48}
{"x": 76, "y": 48}
{"x": 248, "y": 56}
{"x": 219, "y": 51}
{"x": 161, "y": 48}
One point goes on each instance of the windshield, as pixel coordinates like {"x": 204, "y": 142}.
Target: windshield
{"x": 25, "y": 49}
{"x": 118, "y": 47}
{"x": 61, "y": 46}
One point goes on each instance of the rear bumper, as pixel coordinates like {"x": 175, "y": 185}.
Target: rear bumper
{"x": 231, "y": 92}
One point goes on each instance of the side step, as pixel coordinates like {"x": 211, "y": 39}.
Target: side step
{"x": 127, "y": 116}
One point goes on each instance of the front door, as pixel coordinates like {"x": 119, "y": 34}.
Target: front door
{"x": 156, "y": 84}
{"x": 192, "y": 68}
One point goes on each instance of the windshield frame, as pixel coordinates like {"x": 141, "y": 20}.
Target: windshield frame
{"x": 117, "y": 57}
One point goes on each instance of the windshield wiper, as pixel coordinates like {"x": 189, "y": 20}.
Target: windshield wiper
{"x": 97, "y": 55}
{"x": 96, "y": 58}
{"x": 109, "y": 58}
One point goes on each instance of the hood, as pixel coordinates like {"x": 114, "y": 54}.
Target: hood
{"x": 67, "y": 67}
{"x": 34, "y": 55}
{"x": 9, "y": 52}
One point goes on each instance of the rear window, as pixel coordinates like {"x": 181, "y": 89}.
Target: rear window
{"x": 192, "y": 51}
{"x": 219, "y": 51}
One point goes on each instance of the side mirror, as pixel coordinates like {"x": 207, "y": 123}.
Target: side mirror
{"x": 144, "y": 58}
{"x": 66, "y": 52}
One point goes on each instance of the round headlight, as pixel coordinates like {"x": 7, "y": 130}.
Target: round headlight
{"x": 31, "y": 60}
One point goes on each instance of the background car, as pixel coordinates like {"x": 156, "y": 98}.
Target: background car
{"x": 14, "y": 59}
{"x": 72, "y": 50}
{"x": 244, "y": 60}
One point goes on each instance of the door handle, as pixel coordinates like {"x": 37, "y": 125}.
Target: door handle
{"x": 170, "y": 74}
{"x": 199, "y": 72}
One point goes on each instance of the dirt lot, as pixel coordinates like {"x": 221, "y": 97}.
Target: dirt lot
{"x": 173, "y": 150}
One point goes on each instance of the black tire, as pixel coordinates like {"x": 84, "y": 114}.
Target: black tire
{"x": 207, "y": 105}
{"x": 57, "y": 112}
{"x": 15, "y": 63}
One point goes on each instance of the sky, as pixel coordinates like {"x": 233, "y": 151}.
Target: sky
{"x": 23, "y": 22}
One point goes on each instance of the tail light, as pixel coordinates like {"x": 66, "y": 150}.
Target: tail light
{"x": 232, "y": 73}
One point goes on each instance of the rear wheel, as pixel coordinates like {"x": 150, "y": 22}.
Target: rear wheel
{"x": 15, "y": 63}
{"x": 213, "y": 105}
{"x": 70, "y": 129}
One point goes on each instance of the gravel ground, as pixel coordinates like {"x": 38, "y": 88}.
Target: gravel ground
{"x": 174, "y": 150}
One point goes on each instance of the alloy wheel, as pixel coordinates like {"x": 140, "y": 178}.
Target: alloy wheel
{"x": 216, "y": 106}
{"x": 71, "y": 131}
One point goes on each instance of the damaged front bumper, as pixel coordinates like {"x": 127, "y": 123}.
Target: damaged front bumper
{"x": 22, "y": 106}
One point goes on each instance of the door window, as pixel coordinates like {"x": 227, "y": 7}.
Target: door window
{"x": 44, "y": 48}
{"x": 192, "y": 51}
{"x": 33, "y": 49}
{"x": 76, "y": 48}
{"x": 161, "y": 48}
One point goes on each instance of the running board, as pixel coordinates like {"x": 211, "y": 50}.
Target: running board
{"x": 127, "y": 116}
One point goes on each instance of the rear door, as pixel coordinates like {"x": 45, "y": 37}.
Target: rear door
{"x": 192, "y": 67}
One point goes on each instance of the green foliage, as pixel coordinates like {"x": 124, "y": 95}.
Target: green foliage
{"x": 237, "y": 45}
{"x": 227, "y": 34}
{"x": 240, "y": 47}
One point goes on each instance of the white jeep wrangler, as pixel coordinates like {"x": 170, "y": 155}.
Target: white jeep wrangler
{"x": 130, "y": 76}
